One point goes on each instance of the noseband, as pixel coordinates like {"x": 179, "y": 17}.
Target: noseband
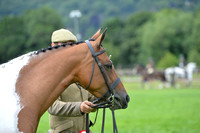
{"x": 106, "y": 100}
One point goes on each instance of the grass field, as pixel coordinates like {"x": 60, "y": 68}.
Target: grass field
{"x": 151, "y": 111}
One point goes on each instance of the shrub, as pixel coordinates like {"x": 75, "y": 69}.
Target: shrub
{"x": 168, "y": 60}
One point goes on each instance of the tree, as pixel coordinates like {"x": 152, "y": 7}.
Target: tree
{"x": 168, "y": 60}
{"x": 39, "y": 26}
{"x": 194, "y": 53}
{"x": 114, "y": 38}
{"x": 123, "y": 35}
{"x": 12, "y": 36}
{"x": 169, "y": 30}
{"x": 31, "y": 31}
{"x": 131, "y": 47}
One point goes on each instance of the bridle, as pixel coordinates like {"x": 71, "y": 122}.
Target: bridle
{"x": 107, "y": 100}
{"x": 110, "y": 100}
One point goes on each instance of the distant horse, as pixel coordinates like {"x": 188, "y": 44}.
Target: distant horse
{"x": 32, "y": 82}
{"x": 156, "y": 75}
{"x": 147, "y": 77}
{"x": 174, "y": 73}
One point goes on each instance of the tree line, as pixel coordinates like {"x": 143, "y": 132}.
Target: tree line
{"x": 28, "y": 32}
{"x": 94, "y": 13}
{"x": 163, "y": 35}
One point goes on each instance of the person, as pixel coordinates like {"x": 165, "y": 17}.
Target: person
{"x": 150, "y": 67}
{"x": 181, "y": 61}
{"x": 68, "y": 113}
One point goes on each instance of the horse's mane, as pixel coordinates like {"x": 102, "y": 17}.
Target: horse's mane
{"x": 57, "y": 46}
{"x": 49, "y": 48}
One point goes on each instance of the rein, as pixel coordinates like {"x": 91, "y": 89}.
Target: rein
{"x": 109, "y": 95}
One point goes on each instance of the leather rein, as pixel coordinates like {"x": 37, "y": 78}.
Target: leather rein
{"x": 107, "y": 100}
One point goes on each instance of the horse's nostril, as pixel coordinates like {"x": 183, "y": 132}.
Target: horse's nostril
{"x": 127, "y": 98}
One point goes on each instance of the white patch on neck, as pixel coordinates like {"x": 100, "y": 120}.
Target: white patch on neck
{"x": 9, "y": 99}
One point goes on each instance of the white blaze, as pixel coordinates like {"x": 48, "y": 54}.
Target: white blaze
{"x": 9, "y": 100}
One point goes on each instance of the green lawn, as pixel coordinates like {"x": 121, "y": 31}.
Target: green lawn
{"x": 151, "y": 111}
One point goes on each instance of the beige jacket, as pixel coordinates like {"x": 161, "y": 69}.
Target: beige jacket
{"x": 65, "y": 115}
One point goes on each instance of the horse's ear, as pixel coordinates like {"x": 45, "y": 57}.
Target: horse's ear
{"x": 97, "y": 34}
{"x": 102, "y": 37}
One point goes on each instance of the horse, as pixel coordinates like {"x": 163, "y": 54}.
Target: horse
{"x": 32, "y": 82}
{"x": 174, "y": 73}
{"x": 148, "y": 77}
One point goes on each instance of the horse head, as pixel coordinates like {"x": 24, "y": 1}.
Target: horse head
{"x": 190, "y": 67}
{"x": 101, "y": 78}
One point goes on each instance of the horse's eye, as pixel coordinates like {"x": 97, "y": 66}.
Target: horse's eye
{"x": 108, "y": 66}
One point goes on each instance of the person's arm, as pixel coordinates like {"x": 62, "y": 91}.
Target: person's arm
{"x": 69, "y": 109}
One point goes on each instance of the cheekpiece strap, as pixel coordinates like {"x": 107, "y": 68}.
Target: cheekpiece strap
{"x": 114, "y": 84}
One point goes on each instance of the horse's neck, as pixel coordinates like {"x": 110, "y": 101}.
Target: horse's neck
{"x": 46, "y": 76}
{"x": 52, "y": 72}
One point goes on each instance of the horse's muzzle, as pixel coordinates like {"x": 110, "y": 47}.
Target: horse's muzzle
{"x": 125, "y": 105}
{"x": 121, "y": 102}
